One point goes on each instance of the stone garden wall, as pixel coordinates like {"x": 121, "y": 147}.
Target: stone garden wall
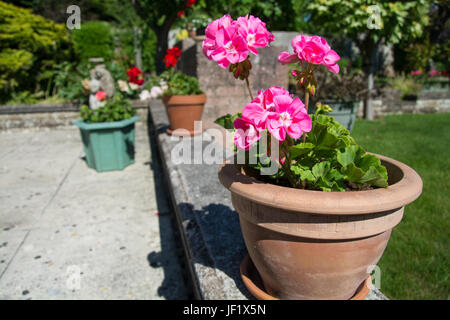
{"x": 30, "y": 116}
{"x": 427, "y": 102}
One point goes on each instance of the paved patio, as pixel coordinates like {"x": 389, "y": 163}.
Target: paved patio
{"x": 68, "y": 232}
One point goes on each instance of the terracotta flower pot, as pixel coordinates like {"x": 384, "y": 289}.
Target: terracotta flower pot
{"x": 182, "y": 111}
{"x": 318, "y": 245}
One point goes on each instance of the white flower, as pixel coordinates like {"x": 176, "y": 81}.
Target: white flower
{"x": 155, "y": 92}
{"x": 133, "y": 86}
{"x": 144, "y": 95}
{"x": 123, "y": 86}
{"x": 86, "y": 84}
{"x": 163, "y": 85}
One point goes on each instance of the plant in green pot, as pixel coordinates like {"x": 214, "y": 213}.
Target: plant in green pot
{"x": 108, "y": 134}
{"x": 181, "y": 95}
{"x": 343, "y": 92}
{"x": 316, "y": 210}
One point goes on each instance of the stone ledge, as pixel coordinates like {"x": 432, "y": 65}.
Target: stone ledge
{"x": 50, "y": 115}
{"x": 38, "y": 108}
{"x": 209, "y": 226}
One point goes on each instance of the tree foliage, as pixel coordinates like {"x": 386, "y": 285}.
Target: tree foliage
{"x": 283, "y": 15}
{"x": 357, "y": 19}
{"x": 94, "y": 39}
{"x": 29, "y": 47}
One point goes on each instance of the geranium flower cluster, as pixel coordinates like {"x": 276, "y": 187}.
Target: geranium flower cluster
{"x": 135, "y": 76}
{"x": 189, "y": 3}
{"x": 275, "y": 110}
{"x": 172, "y": 56}
{"x": 311, "y": 49}
{"x": 229, "y": 41}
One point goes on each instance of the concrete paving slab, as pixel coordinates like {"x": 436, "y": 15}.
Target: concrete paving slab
{"x": 95, "y": 261}
{"x": 10, "y": 240}
{"x": 68, "y": 232}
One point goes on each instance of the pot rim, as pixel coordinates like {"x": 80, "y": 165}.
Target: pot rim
{"x": 395, "y": 196}
{"x": 105, "y": 125}
{"x": 184, "y": 99}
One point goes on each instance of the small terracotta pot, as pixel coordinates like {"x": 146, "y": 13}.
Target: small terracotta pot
{"x": 182, "y": 111}
{"x": 318, "y": 245}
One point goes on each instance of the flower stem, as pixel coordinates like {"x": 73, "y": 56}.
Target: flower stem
{"x": 286, "y": 166}
{"x": 306, "y": 107}
{"x": 248, "y": 87}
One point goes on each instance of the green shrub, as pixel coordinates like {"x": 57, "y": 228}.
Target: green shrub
{"x": 406, "y": 85}
{"x": 30, "y": 46}
{"x": 94, "y": 39}
{"x": 180, "y": 84}
{"x": 67, "y": 81}
{"x": 114, "y": 110}
{"x": 148, "y": 47}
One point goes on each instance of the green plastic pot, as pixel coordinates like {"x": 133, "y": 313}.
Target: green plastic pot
{"x": 108, "y": 145}
{"x": 343, "y": 112}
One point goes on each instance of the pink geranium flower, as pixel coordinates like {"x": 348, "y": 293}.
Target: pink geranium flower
{"x": 311, "y": 49}
{"x": 209, "y": 44}
{"x": 290, "y": 118}
{"x": 231, "y": 47}
{"x": 100, "y": 95}
{"x": 260, "y": 108}
{"x": 246, "y": 133}
{"x": 254, "y": 31}
{"x": 435, "y": 73}
{"x": 229, "y": 42}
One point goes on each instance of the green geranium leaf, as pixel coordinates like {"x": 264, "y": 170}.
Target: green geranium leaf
{"x": 321, "y": 169}
{"x": 308, "y": 176}
{"x": 373, "y": 177}
{"x": 300, "y": 149}
{"x": 334, "y": 175}
{"x": 227, "y": 120}
{"x": 367, "y": 161}
{"x": 347, "y": 156}
{"x": 352, "y": 172}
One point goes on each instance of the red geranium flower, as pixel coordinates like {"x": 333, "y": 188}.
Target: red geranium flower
{"x": 170, "y": 60}
{"x": 135, "y": 76}
{"x": 190, "y": 3}
{"x": 180, "y": 13}
{"x": 174, "y": 51}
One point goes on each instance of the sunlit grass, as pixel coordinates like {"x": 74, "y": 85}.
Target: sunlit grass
{"x": 416, "y": 262}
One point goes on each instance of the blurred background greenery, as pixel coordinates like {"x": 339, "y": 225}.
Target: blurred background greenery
{"x": 41, "y": 60}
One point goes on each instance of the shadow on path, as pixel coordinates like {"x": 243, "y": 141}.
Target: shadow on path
{"x": 170, "y": 241}
{"x": 225, "y": 242}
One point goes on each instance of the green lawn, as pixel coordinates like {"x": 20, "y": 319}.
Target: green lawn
{"x": 416, "y": 264}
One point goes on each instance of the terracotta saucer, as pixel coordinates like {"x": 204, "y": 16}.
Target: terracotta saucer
{"x": 253, "y": 282}
{"x": 190, "y": 134}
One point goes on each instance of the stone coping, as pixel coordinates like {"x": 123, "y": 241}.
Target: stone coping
{"x": 57, "y": 107}
{"x": 208, "y": 225}
{"x": 38, "y": 108}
